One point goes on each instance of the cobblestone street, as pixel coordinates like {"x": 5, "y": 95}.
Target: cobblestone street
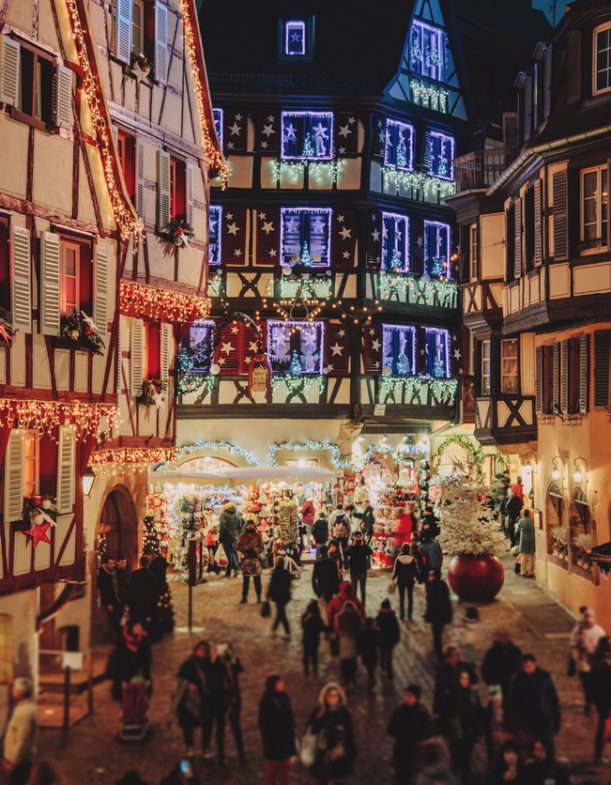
{"x": 92, "y": 755}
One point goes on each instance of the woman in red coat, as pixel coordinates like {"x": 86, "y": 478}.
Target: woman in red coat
{"x": 406, "y": 524}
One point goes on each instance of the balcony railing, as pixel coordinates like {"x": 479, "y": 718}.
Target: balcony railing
{"x": 481, "y": 169}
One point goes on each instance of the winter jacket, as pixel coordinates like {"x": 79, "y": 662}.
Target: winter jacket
{"x": 341, "y": 526}
{"x": 325, "y": 578}
{"x": 541, "y": 772}
{"x": 368, "y": 521}
{"x": 513, "y": 507}
{"x": 347, "y": 627}
{"x": 532, "y": 703}
{"x": 277, "y": 726}
{"x": 438, "y": 604}
{"x": 229, "y": 524}
{"x": 336, "y": 515}
{"x": 431, "y": 520}
{"x": 250, "y": 544}
{"x": 224, "y": 682}
{"x": 405, "y": 570}
{"x": 358, "y": 557}
{"x": 195, "y": 671}
{"x": 312, "y": 626}
{"x": 280, "y": 586}
{"x": 320, "y": 531}
{"x": 406, "y": 523}
{"x": 388, "y": 625}
{"x": 142, "y": 595}
{"x": 500, "y": 664}
{"x": 346, "y": 592}
{"x": 461, "y": 715}
{"x": 336, "y": 750}
{"x": 601, "y": 685}
{"x": 21, "y": 731}
{"x": 369, "y": 642}
{"x": 408, "y": 726}
{"x": 430, "y": 556}
{"x": 526, "y": 528}
{"x": 446, "y": 679}
{"x": 308, "y": 513}
{"x": 108, "y": 586}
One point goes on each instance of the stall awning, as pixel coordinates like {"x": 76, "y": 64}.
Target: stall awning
{"x": 242, "y": 475}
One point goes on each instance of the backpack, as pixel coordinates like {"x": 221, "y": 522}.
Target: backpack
{"x": 341, "y": 527}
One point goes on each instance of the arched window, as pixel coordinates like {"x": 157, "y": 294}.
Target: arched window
{"x": 581, "y": 530}
{"x": 556, "y": 530}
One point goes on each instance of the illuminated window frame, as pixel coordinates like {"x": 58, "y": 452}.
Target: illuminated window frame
{"x": 292, "y": 326}
{"x": 217, "y": 114}
{"x": 439, "y": 226}
{"x": 445, "y": 334}
{"x": 327, "y": 211}
{"x": 215, "y": 209}
{"x": 404, "y": 221}
{"x": 389, "y": 148}
{"x": 287, "y": 116}
{"x": 444, "y": 138}
{"x": 289, "y": 27}
{"x": 388, "y": 333}
{"x": 599, "y": 31}
{"x": 203, "y": 368}
{"x": 430, "y": 69}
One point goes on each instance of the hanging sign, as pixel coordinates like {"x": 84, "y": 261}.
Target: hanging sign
{"x": 259, "y": 375}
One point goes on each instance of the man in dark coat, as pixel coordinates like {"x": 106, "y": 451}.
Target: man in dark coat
{"x": 192, "y": 698}
{"x": 320, "y": 533}
{"x": 532, "y": 708}
{"x": 325, "y": 577}
{"x": 513, "y": 508}
{"x": 358, "y": 556}
{"x": 447, "y": 674}
{"x": 369, "y": 521}
{"x": 438, "y": 608}
{"x": 226, "y": 699}
{"x": 409, "y": 725}
{"x": 229, "y": 530}
{"x": 390, "y": 634}
{"x": 431, "y": 520}
{"x": 142, "y": 594}
{"x": 108, "y": 587}
{"x": 502, "y": 661}
{"x": 277, "y": 727}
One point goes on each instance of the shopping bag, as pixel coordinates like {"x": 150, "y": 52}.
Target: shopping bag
{"x": 307, "y": 749}
{"x": 392, "y": 586}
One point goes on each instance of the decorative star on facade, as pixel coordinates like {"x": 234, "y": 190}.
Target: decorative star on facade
{"x": 268, "y": 130}
{"x": 340, "y": 219}
{"x": 238, "y": 116}
{"x": 263, "y": 216}
{"x": 38, "y": 533}
{"x": 233, "y": 228}
{"x": 346, "y": 255}
{"x": 341, "y": 333}
{"x": 376, "y": 235}
{"x": 420, "y": 241}
{"x": 229, "y": 216}
{"x": 375, "y": 345}
{"x": 237, "y": 252}
{"x": 221, "y": 361}
{"x": 341, "y": 150}
{"x": 272, "y": 252}
{"x": 271, "y": 118}
{"x": 327, "y": 368}
{"x": 346, "y": 233}
{"x": 337, "y": 350}
{"x": 235, "y": 129}
{"x": 230, "y": 145}
{"x": 457, "y": 354}
{"x": 351, "y": 120}
{"x": 234, "y": 329}
{"x": 227, "y": 347}
{"x": 264, "y": 144}
{"x": 268, "y": 226}
{"x": 344, "y": 130}
{"x": 372, "y": 331}
{"x": 377, "y": 365}
{"x": 252, "y": 346}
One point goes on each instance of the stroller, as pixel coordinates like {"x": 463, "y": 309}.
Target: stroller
{"x": 134, "y": 710}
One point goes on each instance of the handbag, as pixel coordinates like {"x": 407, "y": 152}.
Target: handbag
{"x": 392, "y": 586}
{"x": 307, "y": 749}
{"x": 266, "y": 610}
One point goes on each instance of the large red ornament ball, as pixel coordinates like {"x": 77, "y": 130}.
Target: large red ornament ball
{"x": 476, "y": 578}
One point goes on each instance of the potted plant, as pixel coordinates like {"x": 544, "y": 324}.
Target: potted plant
{"x": 560, "y": 541}
{"x": 584, "y": 551}
{"x": 179, "y": 231}
{"x": 141, "y": 66}
{"x": 152, "y": 392}
{"x": 470, "y": 533}
{"x": 80, "y": 329}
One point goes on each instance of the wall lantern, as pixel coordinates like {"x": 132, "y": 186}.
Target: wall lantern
{"x": 557, "y": 468}
{"x": 581, "y": 471}
{"x": 88, "y": 479}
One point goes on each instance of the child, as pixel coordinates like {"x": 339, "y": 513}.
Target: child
{"x": 389, "y": 635}
{"x": 470, "y": 633}
{"x": 311, "y": 625}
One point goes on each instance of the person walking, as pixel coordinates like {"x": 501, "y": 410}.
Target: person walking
{"x": 339, "y": 525}
{"x": 513, "y": 507}
{"x": 532, "y": 707}
{"x": 525, "y": 532}
{"x": 347, "y": 627}
{"x": 390, "y": 634}
{"x": 142, "y": 595}
{"x": 19, "y": 745}
{"x": 601, "y": 691}
{"x": 507, "y": 769}
{"x": 431, "y": 520}
{"x": 430, "y": 555}
{"x": 438, "y": 608}
{"x": 279, "y": 591}
{"x": 405, "y": 574}
{"x": 277, "y": 727}
{"x": 123, "y": 575}
{"x": 502, "y": 661}
{"x": 325, "y": 580}
{"x": 345, "y": 594}
{"x": 109, "y": 590}
{"x": 133, "y": 657}
{"x": 250, "y": 545}
{"x": 229, "y": 529}
{"x": 368, "y": 523}
{"x": 409, "y": 724}
{"x": 331, "y": 723}
{"x": 368, "y": 645}
{"x": 191, "y": 703}
{"x": 446, "y": 675}
{"x": 582, "y": 645}
{"x": 358, "y": 557}
{"x": 312, "y": 626}
{"x": 226, "y": 699}
{"x": 320, "y": 534}
{"x": 461, "y": 719}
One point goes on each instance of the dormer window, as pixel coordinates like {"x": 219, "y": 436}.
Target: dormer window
{"x": 601, "y": 60}
{"x": 427, "y": 51}
{"x": 295, "y": 39}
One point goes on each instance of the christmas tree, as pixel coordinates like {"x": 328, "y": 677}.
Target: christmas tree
{"x": 468, "y": 526}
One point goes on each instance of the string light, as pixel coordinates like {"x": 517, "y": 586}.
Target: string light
{"x": 320, "y": 171}
{"x": 443, "y": 390}
{"x": 215, "y": 446}
{"x": 427, "y": 184}
{"x": 309, "y": 444}
{"x": 418, "y": 291}
{"x": 161, "y": 305}
{"x": 297, "y": 385}
{"x": 139, "y": 455}
{"x": 430, "y": 96}
{"x": 47, "y": 416}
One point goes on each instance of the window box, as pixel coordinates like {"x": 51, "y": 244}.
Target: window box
{"x": 79, "y": 331}
{"x": 307, "y": 136}
{"x": 37, "y": 510}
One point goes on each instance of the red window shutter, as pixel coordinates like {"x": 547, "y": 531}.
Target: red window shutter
{"x": 227, "y": 354}
{"x": 268, "y": 132}
{"x": 153, "y": 349}
{"x": 47, "y": 462}
{"x": 253, "y": 342}
{"x": 372, "y": 348}
{"x": 346, "y": 133}
{"x": 267, "y": 221}
{"x": 374, "y": 239}
{"x": 337, "y": 349}
{"x": 235, "y": 128}
{"x": 343, "y": 238}
{"x": 234, "y": 236}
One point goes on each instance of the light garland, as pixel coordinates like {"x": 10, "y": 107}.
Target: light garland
{"x": 428, "y": 184}
{"x": 418, "y": 291}
{"x": 46, "y": 416}
{"x": 297, "y": 384}
{"x": 127, "y": 221}
{"x": 443, "y": 390}
{"x": 312, "y": 445}
{"x": 320, "y": 170}
{"x": 131, "y": 455}
{"x": 305, "y": 286}
{"x": 429, "y": 96}
{"x": 162, "y": 305}
{"x": 213, "y": 446}
{"x": 213, "y": 154}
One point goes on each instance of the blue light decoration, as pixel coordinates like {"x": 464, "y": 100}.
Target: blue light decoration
{"x": 215, "y": 222}
{"x": 399, "y": 145}
{"x": 217, "y": 114}
{"x": 437, "y": 347}
{"x": 307, "y": 136}
{"x": 399, "y": 349}
{"x": 217, "y": 446}
{"x": 427, "y": 51}
{"x": 295, "y": 348}
{"x": 437, "y": 240}
{"x": 395, "y": 242}
{"x": 312, "y": 446}
{"x": 305, "y": 236}
{"x": 201, "y": 340}
{"x": 440, "y": 154}
{"x": 295, "y": 38}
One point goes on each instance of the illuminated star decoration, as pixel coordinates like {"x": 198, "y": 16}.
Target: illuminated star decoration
{"x": 38, "y": 533}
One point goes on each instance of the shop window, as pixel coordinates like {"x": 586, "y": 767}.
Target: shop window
{"x": 509, "y": 366}
{"x": 295, "y": 348}
{"x": 427, "y": 50}
{"x": 215, "y": 218}
{"x": 484, "y": 367}
{"x": 6, "y": 648}
{"x": 581, "y": 530}
{"x": 178, "y": 188}
{"x": 556, "y": 530}
{"x": 37, "y": 74}
{"x": 439, "y": 154}
{"x": 399, "y": 145}
{"x": 30, "y": 463}
{"x": 305, "y": 236}
{"x": 437, "y": 249}
{"x": 594, "y": 202}
{"x": 126, "y": 148}
{"x": 75, "y": 283}
{"x": 217, "y": 114}
{"x": 395, "y": 242}
{"x": 307, "y": 136}
{"x": 437, "y": 352}
{"x": 399, "y": 349}
{"x": 152, "y": 350}
{"x": 601, "y": 59}
{"x": 201, "y": 343}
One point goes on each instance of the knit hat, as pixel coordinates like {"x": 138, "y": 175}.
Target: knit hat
{"x": 24, "y": 685}
{"x": 415, "y": 690}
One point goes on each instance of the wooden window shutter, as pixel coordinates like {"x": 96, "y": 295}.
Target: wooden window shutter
{"x": 66, "y": 468}
{"x": 9, "y": 81}
{"x": 166, "y": 339}
{"x": 123, "y": 30}
{"x": 517, "y": 239}
{"x": 140, "y": 179}
{"x": 100, "y": 303}
{"x": 602, "y": 365}
{"x": 584, "y": 372}
{"x": 63, "y": 103}
{"x": 556, "y": 378}
{"x": 50, "y": 263}
{"x": 13, "y": 478}
{"x": 21, "y": 280}
{"x": 547, "y": 81}
{"x": 136, "y": 358}
{"x": 539, "y": 365}
{"x": 560, "y": 212}
{"x": 538, "y": 219}
{"x": 564, "y": 377}
{"x": 372, "y": 349}
{"x": 161, "y": 43}
{"x": 573, "y": 66}
{"x": 189, "y": 189}
{"x": 510, "y": 239}
{"x": 163, "y": 190}
{"x": 427, "y": 152}
{"x": 528, "y": 106}
{"x": 119, "y": 358}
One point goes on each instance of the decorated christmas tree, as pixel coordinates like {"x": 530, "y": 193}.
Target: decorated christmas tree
{"x": 468, "y": 526}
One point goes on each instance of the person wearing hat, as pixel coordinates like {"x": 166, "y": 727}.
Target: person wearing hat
{"x": 19, "y": 746}
{"x": 409, "y": 725}
{"x": 358, "y": 556}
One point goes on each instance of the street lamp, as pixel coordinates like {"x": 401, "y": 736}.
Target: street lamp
{"x": 581, "y": 470}
{"x": 88, "y": 479}
{"x": 557, "y": 468}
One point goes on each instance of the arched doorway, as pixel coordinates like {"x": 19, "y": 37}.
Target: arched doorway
{"x": 581, "y": 530}
{"x": 555, "y": 529}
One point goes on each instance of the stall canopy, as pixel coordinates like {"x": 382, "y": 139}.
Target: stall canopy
{"x": 241, "y": 475}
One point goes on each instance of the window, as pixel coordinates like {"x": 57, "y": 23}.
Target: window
{"x": 6, "y": 649}
{"x": 126, "y": 147}
{"x": 439, "y": 153}
{"x": 437, "y": 249}
{"x": 307, "y": 135}
{"x": 152, "y": 350}
{"x": 484, "y": 367}
{"x": 70, "y": 280}
{"x": 395, "y": 242}
{"x": 294, "y": 38}
{"x": 427, "y": 51}
{"x": 30, "y": 463}
{"x": 295, "y": 348}
{"x": 601, "y": 61}
{"x": 138, "y": 28}
{"x": 215, "y": 218}
{"x": 594, "y": 200}
{"x": 509, "y": 365}
{"x": 201, "y": 342}
{"x": 305, "y": 236}
{"x": 37, "y": 74}
{"x": 217, "y": 114}
{"x": 399, "y": 145}
{"x": 178, "y": 188}
{"x": 399, "y": 349}
{"x": 473, "y": 251}
{"x": 437, "y": 352}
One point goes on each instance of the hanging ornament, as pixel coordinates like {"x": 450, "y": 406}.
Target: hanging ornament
{"x": 259, "y": 375}
{"x": 38, "y": 533}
